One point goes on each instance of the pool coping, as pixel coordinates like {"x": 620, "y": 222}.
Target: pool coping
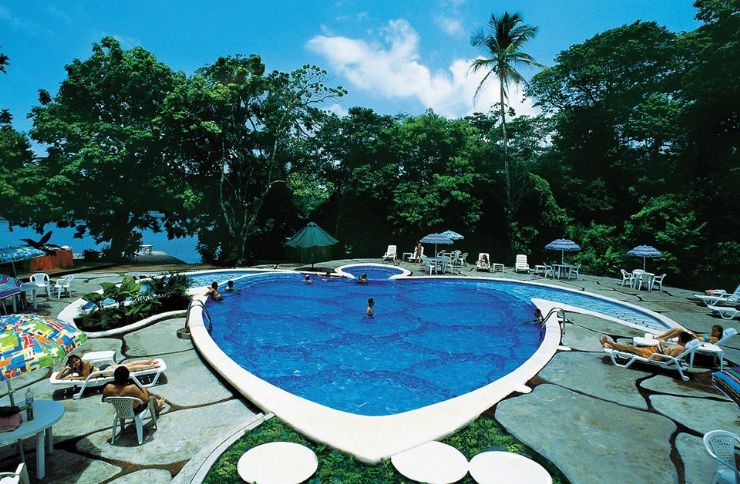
{"x": 372, "y": 438}
{"x": 402, "y": 274}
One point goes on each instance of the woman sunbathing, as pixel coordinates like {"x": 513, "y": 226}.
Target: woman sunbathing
{"x": 646, "y": 351}
{"x": 76, "y": 369}
{"x": 714, "y": 335}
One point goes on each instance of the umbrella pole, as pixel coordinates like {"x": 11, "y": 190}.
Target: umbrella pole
{"x": 643, "y": 264}
{"x": 10, "y": 393}
{"x": 562, "y": 257}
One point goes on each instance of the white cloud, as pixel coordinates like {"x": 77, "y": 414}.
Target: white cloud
{"x": 337, "y": 109}
{"x": 452, "y": 26}
{"x": 392, "y": 69}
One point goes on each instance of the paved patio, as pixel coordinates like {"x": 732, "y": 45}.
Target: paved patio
{"x": 593, "y": 420}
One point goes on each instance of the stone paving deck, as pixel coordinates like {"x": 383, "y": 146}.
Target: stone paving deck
{"x": 593, "y": 420}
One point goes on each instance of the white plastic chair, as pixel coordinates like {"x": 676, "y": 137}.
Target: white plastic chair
{"x": 484, "y": 262}
{"x": 390, "y": 253}
{"x": 627, "y": 278}
{"x": 549, "y": 271}
{"x": 725, "y": 312}
{"x": 573, "y": 274}
{"x": 719, "y": 296}
{"x": 722, "y": 446}
{"x": 64, "y": 285}
{"x": 657, "y": 280}
{"x": 20, "y": 476}
{"x": 125, "y": 410}
{"x": 521, "y": 264}
{"x": 42, "y": 280}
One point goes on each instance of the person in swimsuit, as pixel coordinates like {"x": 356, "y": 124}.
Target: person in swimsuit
{"x": 646, "y": 351}
{"x": 213, "y": 292}
{"x": 76, "y": 369}
{"x": 370, "y": 305}
{"x": 714, "y": 335}
{"x": 362, "y": 279}
{"x": 229, "y": 286}
{"x": 307, "y": 279}
{"x": 122, "y": 387}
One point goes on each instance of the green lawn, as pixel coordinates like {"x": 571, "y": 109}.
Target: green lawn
{"x": 335, "y": 466}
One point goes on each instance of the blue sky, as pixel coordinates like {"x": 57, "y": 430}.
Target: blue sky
{"x": 393, "y": 56}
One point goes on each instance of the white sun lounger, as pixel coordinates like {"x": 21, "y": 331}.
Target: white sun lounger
{"x": 713, "y": 349}
{"x": 719, "y": 296}
{"x": 725, "y": 312}
{"x": 100, "y": 378}
{"x": 656, "y": 359}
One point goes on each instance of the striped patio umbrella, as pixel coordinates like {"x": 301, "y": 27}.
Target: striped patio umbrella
{"x": 31, "y": 341}
{"x": 452, "y": 235}
{"x": 436, "y": 239}
{"x": 645, "y": 251}
{"x": 563, "y": 245}
{"x": 9, "y": 286}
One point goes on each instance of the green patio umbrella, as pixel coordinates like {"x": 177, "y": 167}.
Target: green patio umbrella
{"x": 309, "y": 237}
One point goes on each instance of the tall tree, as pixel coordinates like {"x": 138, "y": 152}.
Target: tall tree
{"x": 4, "y": 61}
{"x": 107, "y": 172}
{"x": 234, "y": 128}
{"x": 503, "y": 41}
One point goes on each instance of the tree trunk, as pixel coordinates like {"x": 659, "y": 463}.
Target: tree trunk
{"x": 508, "y": 209}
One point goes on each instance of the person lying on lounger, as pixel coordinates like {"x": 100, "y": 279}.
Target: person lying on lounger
{"x": 122, "y": 387}
{"x": 714, "y": 335}
{"x": 76, "y": 369}
{"x": 646, "y": 351}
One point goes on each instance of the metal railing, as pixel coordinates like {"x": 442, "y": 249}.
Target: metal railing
{"x": 560, "y": 313}
{"x": 205, "y": 313}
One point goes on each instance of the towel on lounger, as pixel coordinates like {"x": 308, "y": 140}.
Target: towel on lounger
{"x": 728, "y": 381}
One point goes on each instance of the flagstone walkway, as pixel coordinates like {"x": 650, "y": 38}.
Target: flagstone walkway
{"x": 595, "y": 421}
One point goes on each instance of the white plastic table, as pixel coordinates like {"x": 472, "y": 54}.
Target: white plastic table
{"x": 45, "y": 414}
{"x": 30, "y": 287}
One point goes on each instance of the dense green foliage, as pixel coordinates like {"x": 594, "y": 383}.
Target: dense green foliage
{"x": 336, "y": 466}
{"x": 134, "y": 301}
{"x": 636, "y": 144}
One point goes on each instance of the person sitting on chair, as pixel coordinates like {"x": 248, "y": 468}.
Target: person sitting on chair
{"x": 122, "y": 387}
{"x": 76, "y": 369}
{"x": 646, "y": 351}
{"x": 714, "y": 335}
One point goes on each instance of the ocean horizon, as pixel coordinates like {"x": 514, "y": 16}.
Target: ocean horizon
{"x": 183, "y": 248}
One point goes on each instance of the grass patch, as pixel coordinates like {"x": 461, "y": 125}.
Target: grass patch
{"x": 335, "y": 466}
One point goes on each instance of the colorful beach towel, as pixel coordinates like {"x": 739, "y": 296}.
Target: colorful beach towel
{"x": 728, "y": 382}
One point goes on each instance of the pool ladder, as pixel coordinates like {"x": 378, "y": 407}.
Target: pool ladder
{"x": 205, "y": 313}
{"x": 559, "y": 312}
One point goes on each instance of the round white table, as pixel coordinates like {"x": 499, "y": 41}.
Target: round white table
{"x": 277, "y": 462}
{"x": 490, "y": 467}
{"x": 45, "y": 414}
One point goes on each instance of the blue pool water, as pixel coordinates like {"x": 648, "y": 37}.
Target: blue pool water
{"x": 429, "y": 341}
{"x": 374, "y": 272}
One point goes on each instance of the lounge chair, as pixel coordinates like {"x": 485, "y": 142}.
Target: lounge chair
{"x": 390, "y": 253}
{"x": 100, "y": 378}
{"x": 656, "y": 359}
{"x": 521, "y": 264}
{"x": 483, "y": 264}
{"x": 713, "y": 349}
{"x": 125, "y": 410}
{"x": 725, "y": 312}
{"x": 719, "y": 296}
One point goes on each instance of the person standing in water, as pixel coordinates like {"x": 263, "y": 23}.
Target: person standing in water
{"x": 370, "y": 304}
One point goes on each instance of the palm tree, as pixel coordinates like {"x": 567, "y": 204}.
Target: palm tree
{"x": 503, "y": 40}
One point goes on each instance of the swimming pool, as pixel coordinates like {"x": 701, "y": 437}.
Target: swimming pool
{"x": 315, "y": 341}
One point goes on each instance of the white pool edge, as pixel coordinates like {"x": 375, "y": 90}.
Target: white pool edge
{"x": 403, "y": 272}
{"x": 372, "y": 438}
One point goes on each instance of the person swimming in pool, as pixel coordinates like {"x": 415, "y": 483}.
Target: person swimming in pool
{"x": 307, "y": 279}
{"x": 213, "y": 292}
{"x": 370, "y": 305}
{"x": 362, "y": 279}
{"x": 229, "y": 286}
